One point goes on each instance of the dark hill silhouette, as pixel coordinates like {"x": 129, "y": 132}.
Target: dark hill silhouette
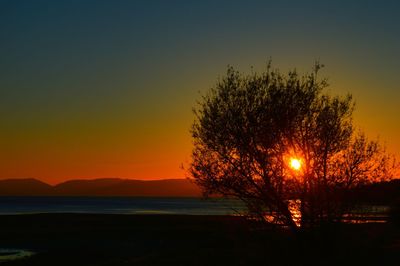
{"x": 101, "y": 187}
{"x": 385, "y": 192}
{"x": 24, "y": 187}
{"x": 381, "y": 193}
{"x": 86, "y": 187}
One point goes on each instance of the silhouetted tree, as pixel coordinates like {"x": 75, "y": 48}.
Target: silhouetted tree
{"x": 249, "y": 128}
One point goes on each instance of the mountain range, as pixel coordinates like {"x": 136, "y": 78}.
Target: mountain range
{"x": 383, "y": 192}
{"x": 101, "y": 187}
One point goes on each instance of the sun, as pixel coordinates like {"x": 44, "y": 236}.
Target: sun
{"x": 295, "y": 164}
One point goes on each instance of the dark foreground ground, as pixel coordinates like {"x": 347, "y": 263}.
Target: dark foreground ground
{"x": 83, "y": 239}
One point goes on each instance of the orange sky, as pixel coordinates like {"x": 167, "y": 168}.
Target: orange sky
{"x": 89, "y": 91}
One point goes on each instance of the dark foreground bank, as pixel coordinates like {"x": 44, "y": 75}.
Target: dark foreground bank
{"x": 88, "y": 239}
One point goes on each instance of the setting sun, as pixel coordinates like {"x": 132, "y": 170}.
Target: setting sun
{"x": 295, "y": 163}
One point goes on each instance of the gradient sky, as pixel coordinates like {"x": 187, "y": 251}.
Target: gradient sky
{"x": 94, "y": 89}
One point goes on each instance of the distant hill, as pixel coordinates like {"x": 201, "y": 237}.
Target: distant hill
{"x": 101, "y": 187}
{"x": 385, "y": 192}
{"x": 381, "y": 193}
{"x": 24, "y": 187}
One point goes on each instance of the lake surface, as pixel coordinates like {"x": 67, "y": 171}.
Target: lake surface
{"x": 120, "y": 205}
{"x": 156, "y": 205}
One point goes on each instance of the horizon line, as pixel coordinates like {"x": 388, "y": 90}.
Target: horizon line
{"x": 89, "y": 179}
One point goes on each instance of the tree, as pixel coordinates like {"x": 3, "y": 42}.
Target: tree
{"x": 283, "y": 146}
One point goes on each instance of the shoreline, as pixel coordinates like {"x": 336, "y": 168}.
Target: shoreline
{"x": 118, "y": 239}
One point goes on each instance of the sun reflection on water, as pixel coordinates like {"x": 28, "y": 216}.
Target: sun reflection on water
{"x": 294, "y": 208}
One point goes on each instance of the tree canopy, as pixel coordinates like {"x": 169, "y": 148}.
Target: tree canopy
{"x": 283, "y": 145}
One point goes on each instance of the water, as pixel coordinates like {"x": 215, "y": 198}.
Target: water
{"x": 359, "y": 214}
{"x": 120, "y": 205}
{"x": 14, "y": 254}
{"x": 148, "y": 205}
